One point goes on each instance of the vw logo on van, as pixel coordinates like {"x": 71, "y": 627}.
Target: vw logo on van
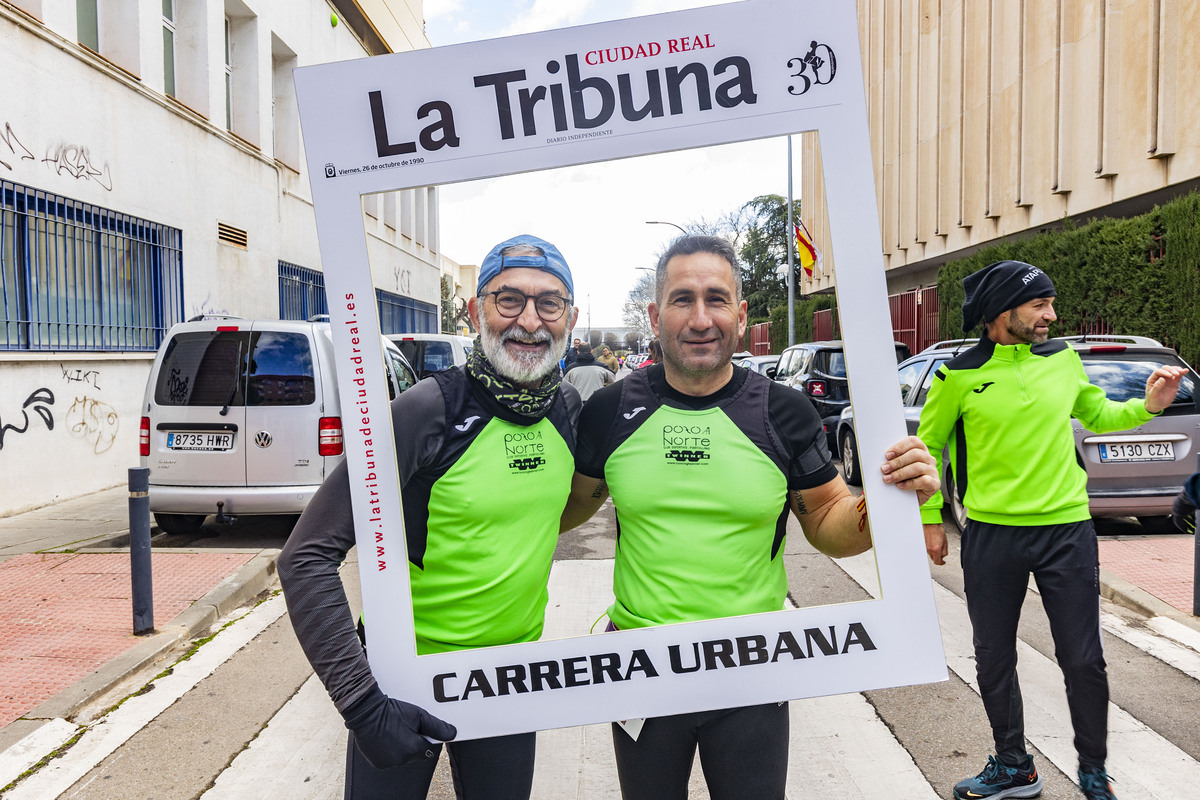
{"x": 263, "y": 439}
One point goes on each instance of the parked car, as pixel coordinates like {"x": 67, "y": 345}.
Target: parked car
{"x": 243, "y": 417}
{"x": 433, "y": 352}
{"x": 1130, "y": 473}
{"x": 764, "y": 365}
{"x": 635, "y": 360}
{"x": 819, "y": 370}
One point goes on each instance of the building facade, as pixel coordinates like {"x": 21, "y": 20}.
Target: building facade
{"x": 992, "y": 120}
{"x": 152, "y": 169}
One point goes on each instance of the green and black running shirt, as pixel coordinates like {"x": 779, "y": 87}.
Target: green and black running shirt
{"x": 1005, "y": 412}
{"x": 483, "y": 491}
{"x": 700, "y": 489}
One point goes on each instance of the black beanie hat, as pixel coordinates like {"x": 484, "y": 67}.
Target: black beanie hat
{"x": 1000, "y": 286}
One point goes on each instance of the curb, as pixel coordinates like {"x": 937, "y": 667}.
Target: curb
{"x": 1123, "y": 593}
{"x": 252, "y": 578}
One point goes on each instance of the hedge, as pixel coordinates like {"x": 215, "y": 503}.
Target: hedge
{"x": 1136, "y": 276}
{"x": 805, "y": 308}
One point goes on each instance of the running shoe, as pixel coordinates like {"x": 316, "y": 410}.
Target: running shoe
{"x": 998, "y": 781}
{"x": 1095, "y": 784}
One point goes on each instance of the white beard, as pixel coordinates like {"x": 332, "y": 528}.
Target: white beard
{"x": 521, "y": 368}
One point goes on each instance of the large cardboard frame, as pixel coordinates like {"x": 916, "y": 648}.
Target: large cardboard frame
{"x": 725, "y": 73}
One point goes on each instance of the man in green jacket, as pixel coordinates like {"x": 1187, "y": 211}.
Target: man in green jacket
{"x": 1005, "y": 408}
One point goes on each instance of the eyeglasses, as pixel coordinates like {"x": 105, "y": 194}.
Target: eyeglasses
{"x": 510, "y": 303}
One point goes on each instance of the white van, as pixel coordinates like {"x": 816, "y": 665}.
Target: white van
{"x": 433, "y": 352}
{"x": 242, "y": 417}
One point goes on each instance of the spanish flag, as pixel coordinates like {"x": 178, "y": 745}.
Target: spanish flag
{"x": 806, "y": 251}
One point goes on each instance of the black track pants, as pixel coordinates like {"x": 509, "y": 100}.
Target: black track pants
{"x": 997, "y": 561}
{"x": 743, "y": 752}
{"x": 500, "y": 768}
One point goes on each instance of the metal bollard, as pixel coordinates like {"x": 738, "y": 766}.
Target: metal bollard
{"x": 139, "y": 550}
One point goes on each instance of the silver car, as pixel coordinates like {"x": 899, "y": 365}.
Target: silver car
{"x": 1130, "y": 473}
{"x": 243, "y": 417}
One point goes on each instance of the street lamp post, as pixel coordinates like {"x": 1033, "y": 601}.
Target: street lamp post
{"x": 659, "y": 222}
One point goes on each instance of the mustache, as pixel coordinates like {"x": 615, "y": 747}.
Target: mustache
{"x": 515, "y": 334}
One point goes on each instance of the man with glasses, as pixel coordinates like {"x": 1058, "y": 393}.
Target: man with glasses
{"x": 481, "y": 523}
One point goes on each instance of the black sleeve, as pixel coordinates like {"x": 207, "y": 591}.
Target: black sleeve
{"x": 316, "y": 600}
{"x": 595, "y": 423}
{"x": 798, "y": 424}
{"x": 308, "y": 565}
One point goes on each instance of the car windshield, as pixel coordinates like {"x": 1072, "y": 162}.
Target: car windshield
{"x": 1123, "y": 375}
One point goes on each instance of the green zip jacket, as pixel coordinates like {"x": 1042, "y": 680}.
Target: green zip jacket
{"x": 1005, "y": 412}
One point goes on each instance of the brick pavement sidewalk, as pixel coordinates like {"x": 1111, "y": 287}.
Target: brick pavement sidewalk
{"x": 64, "y": 615}
{"x": 1162, "y": 566}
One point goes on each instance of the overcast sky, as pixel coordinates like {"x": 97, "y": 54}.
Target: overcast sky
{"x": 595, "y": 214}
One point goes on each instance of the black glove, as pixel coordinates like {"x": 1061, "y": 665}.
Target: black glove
{"x": 1183, "y": 511}
{"x": 390, "y": 732}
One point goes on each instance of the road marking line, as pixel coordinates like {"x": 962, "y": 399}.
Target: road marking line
{"x": 108, "y": 733}
{"x": 1145, "y": 765}
{"x": 300, "y": 755}
{"x": 34, "y": 747}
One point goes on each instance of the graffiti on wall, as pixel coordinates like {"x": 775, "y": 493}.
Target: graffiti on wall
{"x": 206, "y": 307}
{"x": 16, "y": 150}
{"x": 89, "y": 376}
{"x": 39, "y": 402}
{"x": 75, "y": 160}
{"x": 65, "y": 158}
{"x": 94, "y": 421}
{"x": 403, "y": 281}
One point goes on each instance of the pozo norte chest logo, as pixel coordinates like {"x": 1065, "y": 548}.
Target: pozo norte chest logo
{"x": 525, "y": 451}
{"x": 686, "y": 444}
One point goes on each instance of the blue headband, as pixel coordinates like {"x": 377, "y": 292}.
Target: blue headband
{"x": 550, "y": 261}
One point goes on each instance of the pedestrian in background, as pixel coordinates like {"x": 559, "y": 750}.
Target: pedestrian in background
{"x": 456, "y": 495}
{"x": 655, "y": 351}
{"x": 1005, "y": 408}
{"x": 609, "y": 360}
{"x": 1183, "y": 512}
{"x": 587, "y": 374}
{"x": 702, "y": 526}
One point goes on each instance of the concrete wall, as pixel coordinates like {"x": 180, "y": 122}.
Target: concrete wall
{"x": 991, "y": 119}
{"x": 99, "y": 128}
{"x": 68, "y": 426}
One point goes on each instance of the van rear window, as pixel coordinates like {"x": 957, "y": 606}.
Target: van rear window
{"x": 218, "y": 368}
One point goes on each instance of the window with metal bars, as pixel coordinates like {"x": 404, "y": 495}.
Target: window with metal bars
{"x": 74, "y": 276}
{"x": 399, "y": 314}
{"x": 301, "y": 292}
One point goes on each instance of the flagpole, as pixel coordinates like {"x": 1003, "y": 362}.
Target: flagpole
{"x": 791, "y": 238}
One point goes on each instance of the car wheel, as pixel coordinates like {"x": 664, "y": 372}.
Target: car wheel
{"x": 850, "y": 464}
{"x": 180, "y": 524}
{"x": 957, "y": 509}
{"x": 1158, "y": 525}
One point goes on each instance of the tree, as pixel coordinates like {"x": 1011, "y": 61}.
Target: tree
{"x": 454, "y": 311}
{"x": 634, "y": 313}
{"x": 611, "y": 341}
{"x": 764, "y": 250}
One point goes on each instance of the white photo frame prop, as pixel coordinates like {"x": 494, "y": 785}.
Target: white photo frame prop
{"x": 601, "y": 92}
